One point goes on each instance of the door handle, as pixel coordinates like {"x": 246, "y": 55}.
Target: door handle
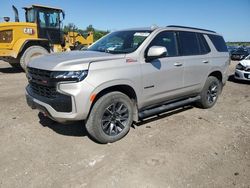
{"x": 205, "y": 61}
{"x": 178, "y": 64}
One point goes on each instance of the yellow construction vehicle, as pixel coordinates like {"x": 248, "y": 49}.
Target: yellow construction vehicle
{"x": 76, "y": 41}
{"x": 40, "y": 34}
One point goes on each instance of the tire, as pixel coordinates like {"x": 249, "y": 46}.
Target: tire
{"x": 30, "y": 53}
{"x": 110, "y": 118}
{"x": 210, "y": 93}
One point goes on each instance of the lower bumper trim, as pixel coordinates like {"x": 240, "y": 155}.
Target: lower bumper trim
{"x": 34, "y": 105}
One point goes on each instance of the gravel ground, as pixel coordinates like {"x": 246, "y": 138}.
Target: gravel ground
{"x": 188, "y": 147}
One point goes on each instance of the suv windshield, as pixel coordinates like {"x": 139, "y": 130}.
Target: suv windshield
{"x": 120, "y": 42}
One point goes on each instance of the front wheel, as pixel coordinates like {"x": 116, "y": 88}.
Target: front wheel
{"x": 210, "y": 92}
{"x": 110, "y": 118}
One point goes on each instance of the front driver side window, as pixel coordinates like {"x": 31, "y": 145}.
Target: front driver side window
{"x": 166, "y": 39}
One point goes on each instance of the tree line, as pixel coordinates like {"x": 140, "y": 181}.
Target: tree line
{"x": 238, "y": 43}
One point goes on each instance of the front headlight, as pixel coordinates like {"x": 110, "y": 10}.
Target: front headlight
{"x": 6, "y": 36}
{"x": 240, "y": 67}
{"x": 74, "y": 76}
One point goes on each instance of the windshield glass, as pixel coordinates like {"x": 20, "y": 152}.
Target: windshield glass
{"x": 49, "y": 19}
{"x": 120, "y": 42}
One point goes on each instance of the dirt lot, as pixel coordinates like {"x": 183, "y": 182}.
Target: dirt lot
{"x": 189, "y": 147}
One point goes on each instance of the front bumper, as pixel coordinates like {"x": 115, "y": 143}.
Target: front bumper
{"x": 80, "y": 102}
{"x": 7, "y": 53}
{"x": 242, "y": 75}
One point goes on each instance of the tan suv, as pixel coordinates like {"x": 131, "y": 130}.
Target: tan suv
{"x": 129, "y": 75}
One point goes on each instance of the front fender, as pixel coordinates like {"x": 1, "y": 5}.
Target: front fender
{"x": 113, "y": 83}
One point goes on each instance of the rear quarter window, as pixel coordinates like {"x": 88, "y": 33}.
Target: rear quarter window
{"x": 219, "y": 43}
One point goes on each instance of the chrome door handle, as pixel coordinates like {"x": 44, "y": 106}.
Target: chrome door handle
{"x": 178, "y": 64}
{"x": 205, "y": 61}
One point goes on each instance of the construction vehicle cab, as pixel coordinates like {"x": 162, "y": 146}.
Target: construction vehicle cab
{"x": 48, "y": 22}
{"x": 41, "y": 34}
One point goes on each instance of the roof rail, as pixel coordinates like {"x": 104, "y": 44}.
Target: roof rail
{"x": 179, "y": 26}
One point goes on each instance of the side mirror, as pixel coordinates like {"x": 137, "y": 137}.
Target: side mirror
{"x": 155, "y": 52}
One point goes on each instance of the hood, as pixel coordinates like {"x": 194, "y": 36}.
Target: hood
{"x": 74, "y": 60}
{"x": 245, "y": 63}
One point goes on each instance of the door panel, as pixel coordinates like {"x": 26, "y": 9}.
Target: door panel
{"x": 195, "y": 70}
{"x": 162, "y": 77}
{"x": 162, "y": 80}
{"x": 196, "y": 60}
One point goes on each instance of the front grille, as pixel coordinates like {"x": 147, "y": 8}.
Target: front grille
{"x": 45, "y": 91}
{"x": 38, "y": 74}
{"x": 43, "y": 87}
{"x": 41, "y": 82}
{"x": 246, "y": 76}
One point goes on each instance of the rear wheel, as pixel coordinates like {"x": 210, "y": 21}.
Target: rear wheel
{"x": 30, "y": 53}
{"x": 110, "y": 118}
{"x": 210, "y": 92}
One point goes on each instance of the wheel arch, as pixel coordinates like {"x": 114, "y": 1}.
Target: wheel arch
{"x": 216, "y": 74}
{"x": 123, "y": 88}
{"x": 23, "y": 44}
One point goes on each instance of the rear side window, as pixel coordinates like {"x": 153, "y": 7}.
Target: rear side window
{"x": 219, "y": 43}
{"x": 204, "y": 48}
{"x": 188, "y": 43}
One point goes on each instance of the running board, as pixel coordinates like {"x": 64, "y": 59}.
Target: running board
{"x": 166, "y": 107}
